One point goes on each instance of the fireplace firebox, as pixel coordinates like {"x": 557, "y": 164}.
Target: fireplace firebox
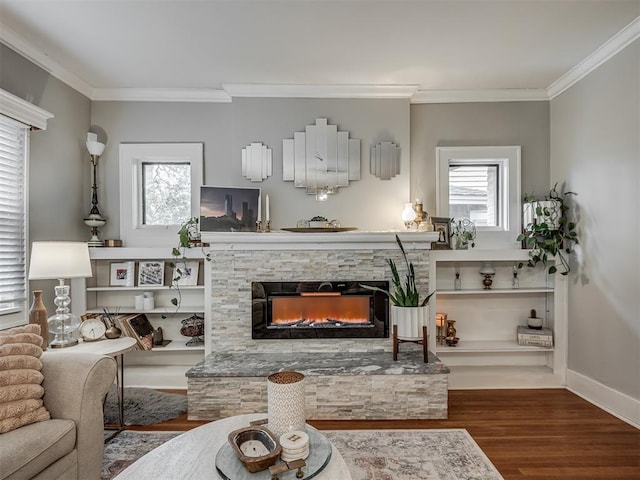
{"x": 336, "y": 309}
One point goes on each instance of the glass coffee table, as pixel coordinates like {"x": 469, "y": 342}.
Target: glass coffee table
{"x": 193, "y": 454}
{"x": 229, "y": 467}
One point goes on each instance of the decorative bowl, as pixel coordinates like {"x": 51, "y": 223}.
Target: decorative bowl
{"x": 452, "y": 341}
{"x": 256, "y": 447}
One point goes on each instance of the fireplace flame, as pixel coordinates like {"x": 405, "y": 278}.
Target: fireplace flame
{"x": 320, "y": 309}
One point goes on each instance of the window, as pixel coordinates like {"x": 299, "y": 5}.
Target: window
{"x": 13, "y": 236}
{"x": 159, "y": 189}
{"x": 483, "y": 185}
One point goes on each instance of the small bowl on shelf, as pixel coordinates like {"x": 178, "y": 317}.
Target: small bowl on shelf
{"x": 452, "y": 341}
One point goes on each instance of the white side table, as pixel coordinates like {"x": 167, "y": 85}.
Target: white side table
{"x": 114, "y": 348}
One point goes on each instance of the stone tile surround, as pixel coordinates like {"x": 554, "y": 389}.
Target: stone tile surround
{"x": 233, "y": 271}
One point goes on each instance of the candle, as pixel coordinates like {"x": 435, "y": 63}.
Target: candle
{"x": 267, "y": 208}
{"x": 260, "y": 208}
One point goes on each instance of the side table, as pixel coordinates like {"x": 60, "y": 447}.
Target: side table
{"x": 114, "y": 348}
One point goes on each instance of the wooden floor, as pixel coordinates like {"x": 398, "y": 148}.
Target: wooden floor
{"x": 527, "y": 434}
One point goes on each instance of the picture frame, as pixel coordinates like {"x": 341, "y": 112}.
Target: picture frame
{"x": 150, "y": 273}
{"x": 188, "y": 274}
{"x": 229, "y": 209}
{"x": 442, "y": 225}
{"x": 122, "y": 274}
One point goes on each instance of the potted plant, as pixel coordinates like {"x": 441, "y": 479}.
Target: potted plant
{"x": 464, "y": 232}
{"x": 188, "y": 237}
{"x": 547, "y": 231}
{"x": 408, "y": 311}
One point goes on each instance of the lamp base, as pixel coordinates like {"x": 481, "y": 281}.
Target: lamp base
{"x": 63, "y": 342}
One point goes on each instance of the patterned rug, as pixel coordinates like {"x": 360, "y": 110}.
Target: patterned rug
{"x": 370, "y": 454}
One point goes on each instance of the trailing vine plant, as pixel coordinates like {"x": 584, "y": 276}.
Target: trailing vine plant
{"x": 188, "y": 237}
{"x": 550, "y": 234}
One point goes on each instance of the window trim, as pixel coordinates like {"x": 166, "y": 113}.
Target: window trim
{"x": 132, "y": 155}
{"x": 508, "y": 157}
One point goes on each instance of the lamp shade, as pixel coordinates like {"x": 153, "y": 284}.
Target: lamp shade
{"x": 487, "y": 269}
{"x": 408, "y": 213}
{"x": 51, "y": 260}
{"x": 93, "y": 145}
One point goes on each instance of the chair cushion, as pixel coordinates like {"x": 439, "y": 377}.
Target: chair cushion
{"x": 20, "y": 378}
{"x": 32, "y": 448}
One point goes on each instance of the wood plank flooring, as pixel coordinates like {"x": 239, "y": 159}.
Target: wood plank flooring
{"x": 547, "y": 434}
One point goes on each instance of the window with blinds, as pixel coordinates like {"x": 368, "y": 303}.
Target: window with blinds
{"x": 474, "y": 193}
{"x": 13, "y": 141}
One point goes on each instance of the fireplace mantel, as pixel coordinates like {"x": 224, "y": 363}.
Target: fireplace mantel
{"x": 282, "y": 240}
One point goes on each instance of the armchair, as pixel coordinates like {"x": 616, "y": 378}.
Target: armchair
{"x": 69, "y": 446}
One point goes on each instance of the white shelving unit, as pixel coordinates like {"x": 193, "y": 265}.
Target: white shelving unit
{"x": 487, "y": 354}
{"x": 162, "y": 367}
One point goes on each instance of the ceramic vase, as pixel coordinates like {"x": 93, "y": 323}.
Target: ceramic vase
{"x": 285, "y": 402}
{"x": 410, "y": 321}
{"x": 38, "y": 315}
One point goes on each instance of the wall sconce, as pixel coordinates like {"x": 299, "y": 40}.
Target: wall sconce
{"x": 60, "y": 260}
{"x": 384, "y": 162}
{"x": 257, "y": 163}
{"x": 408, "y": 215}
{"x": 487, "y": 271}
{"x": 94, "y": 220}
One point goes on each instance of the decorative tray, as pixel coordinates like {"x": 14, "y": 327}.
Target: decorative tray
{"x": 320, "y": 229}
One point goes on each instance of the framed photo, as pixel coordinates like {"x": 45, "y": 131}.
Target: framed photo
{"x": 122, "y": 274}
{"x": 442, "y": 225}
{"x": 186, "y": 272}
{"x": 229, "y": 209}
{"x": 150, "y": 273}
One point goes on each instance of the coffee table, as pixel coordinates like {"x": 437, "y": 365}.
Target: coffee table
{"x": 192, "y": 455}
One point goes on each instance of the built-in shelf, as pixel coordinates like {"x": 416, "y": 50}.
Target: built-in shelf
{"x": 144, "y": 288}
{"x": 179, "y": 345}
{"x": 495, "y": 291}
{"x": 496, "y": 346}
{"x": 184, "y": 309}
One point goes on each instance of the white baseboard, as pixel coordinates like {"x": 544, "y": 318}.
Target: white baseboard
{"x": 620, "y": 405}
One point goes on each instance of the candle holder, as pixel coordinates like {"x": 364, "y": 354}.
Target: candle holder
{"x": 263, "y": 226}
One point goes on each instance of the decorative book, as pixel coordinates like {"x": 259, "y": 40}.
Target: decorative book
{"x": 542, "y": 337}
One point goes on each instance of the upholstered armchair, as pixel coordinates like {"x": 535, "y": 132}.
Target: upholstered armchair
{"x": 71, "y": 444}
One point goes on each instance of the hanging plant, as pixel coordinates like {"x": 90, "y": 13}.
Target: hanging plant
{"x": 547, "y": 231}
{"x": 188, "y": 237}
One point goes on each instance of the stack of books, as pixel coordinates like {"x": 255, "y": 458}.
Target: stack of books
{"x": 542, "y": 337}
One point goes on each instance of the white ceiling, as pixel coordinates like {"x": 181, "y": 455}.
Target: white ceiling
{"x": 110, "y": 49}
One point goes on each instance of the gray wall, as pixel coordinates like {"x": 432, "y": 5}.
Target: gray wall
{"x": 477, "y": 124}
{"x": 594, "y": 145}
{"x": 368, "y": 204}
{"x": 59, "y": 170}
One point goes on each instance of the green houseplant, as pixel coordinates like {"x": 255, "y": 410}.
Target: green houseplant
{"x": 405, "y": 293}
{"x": 547, "y": 231}
{"x": 464, "y": 232}
{"x": 188, "y": 237}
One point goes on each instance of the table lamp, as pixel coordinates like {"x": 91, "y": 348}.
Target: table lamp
{"x": 60, "y": 260}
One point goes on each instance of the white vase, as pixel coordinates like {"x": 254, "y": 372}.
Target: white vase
{"x": 410, "y": 321}
{"x": 285, "y": 402}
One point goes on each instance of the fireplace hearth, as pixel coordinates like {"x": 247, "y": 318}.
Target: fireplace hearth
{"x": 328, "y": 309}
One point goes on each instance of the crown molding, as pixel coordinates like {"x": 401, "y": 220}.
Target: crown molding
{"x": 468, "y": 96}
{"x": 606, "y": 51}
{"x": 15, "y": 42}
{"x": 161, "y": 95}
{"x": 23, "y": 111}
{"x": 319, "y": 91}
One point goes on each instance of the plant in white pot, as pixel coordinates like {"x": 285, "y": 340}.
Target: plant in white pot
{"x": 408, "y": 311}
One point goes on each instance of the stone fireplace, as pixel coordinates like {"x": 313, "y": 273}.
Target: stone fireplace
{"x": 347, "y": 376}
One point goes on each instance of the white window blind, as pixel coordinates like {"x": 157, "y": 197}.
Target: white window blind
{"x": 13, "y": 141}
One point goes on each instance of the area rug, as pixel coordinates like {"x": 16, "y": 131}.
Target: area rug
{"x": 370, "y": 454}
{"x": 144, "y": 406}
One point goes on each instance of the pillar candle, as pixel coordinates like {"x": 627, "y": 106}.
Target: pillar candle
{"x": 259, "y": 208}
{"x": 267, "y": 208}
